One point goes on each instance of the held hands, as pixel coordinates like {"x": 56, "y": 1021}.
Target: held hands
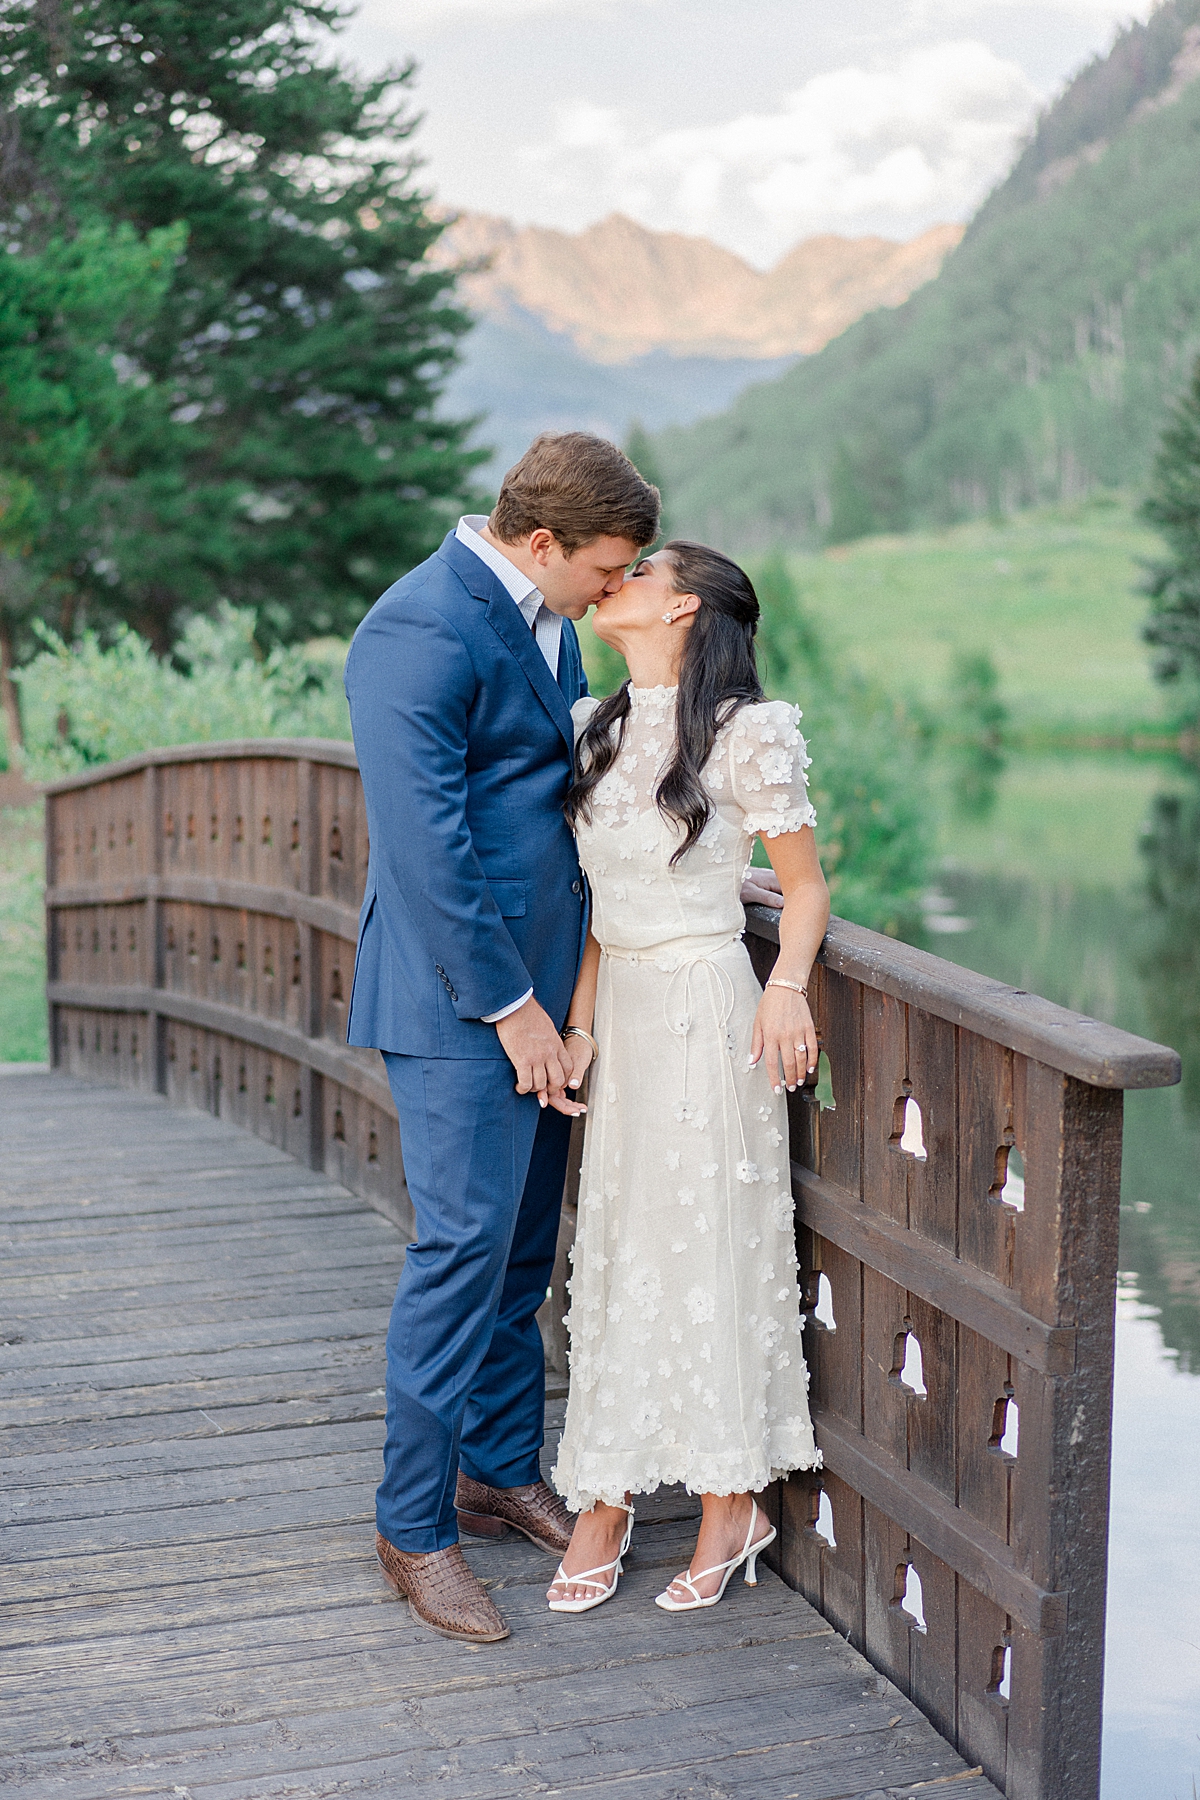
{"x": 544, "y": 1064}
{"x": 784, "y": 1030}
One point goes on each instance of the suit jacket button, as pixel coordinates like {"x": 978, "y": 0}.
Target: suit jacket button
{"x": 440, "y": 970}
{"x": 577, "y": 887}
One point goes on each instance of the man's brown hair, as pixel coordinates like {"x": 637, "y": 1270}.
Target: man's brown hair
{"x": 579, "y": 487}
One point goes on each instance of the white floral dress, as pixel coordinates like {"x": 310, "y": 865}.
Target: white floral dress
{"x": 686, "y": 1359}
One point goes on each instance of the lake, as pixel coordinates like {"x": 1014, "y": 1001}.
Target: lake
{"x": 1081, "y": 881}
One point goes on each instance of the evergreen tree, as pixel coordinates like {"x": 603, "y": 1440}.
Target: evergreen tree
{"x": 639, "y": 448}
{"x": 303, "y": 340}
{"x": 1174, "y": 584}
{"x": 68, "y": 317}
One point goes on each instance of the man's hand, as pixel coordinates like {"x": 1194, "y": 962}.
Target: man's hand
{"x": 761, "y": 888}
{"x": 535, "y": 1050}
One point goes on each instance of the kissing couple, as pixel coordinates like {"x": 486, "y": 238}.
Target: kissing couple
{"x": 554, "y": 891}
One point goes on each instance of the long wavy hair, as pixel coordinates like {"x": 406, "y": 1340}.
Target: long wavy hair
{"x": 717, "y": 676}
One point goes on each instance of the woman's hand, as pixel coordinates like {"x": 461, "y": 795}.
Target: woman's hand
{"x": 784, "y": 1031}
{"x": 578, "y": 1053}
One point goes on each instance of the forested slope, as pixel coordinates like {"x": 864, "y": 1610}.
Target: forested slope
{"x": 1037, "y": 366}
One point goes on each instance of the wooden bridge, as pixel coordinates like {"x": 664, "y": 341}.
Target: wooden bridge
{"x": 191, "y": 1394}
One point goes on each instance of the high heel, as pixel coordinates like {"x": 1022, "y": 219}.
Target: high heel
{"x": 748, "y": 1554}
{"x": 591, "y": 1577}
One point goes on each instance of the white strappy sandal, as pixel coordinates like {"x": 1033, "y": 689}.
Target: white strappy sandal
{"x": 591, "y": 1578}
{"x": 748, "y": 1554}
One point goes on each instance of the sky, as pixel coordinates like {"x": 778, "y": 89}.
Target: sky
{"x": 755, "y": 123}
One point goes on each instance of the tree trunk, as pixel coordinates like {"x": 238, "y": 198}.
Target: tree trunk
{"x": 10, "y": 704}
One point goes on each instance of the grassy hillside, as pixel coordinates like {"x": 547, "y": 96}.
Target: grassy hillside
{"x": 1050, "y": 596}
{"x": 1036, "y": 367}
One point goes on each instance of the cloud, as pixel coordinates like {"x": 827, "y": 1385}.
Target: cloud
{"x": 852, "y": 150}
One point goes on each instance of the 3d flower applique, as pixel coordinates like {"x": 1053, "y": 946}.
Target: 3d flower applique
{"x": 783, "y": 1360}
{"x": 701, "y": 1305}
{"x": 676, "y": 1335}
{"x": 685, "y": 1363}
{"x": 625, "y": 852}
{"x": 774, "y": 1137}
{"x": 764, "y": 1113}
{"x": 615, "y": 1311}
{"x": 783, "y": 1211}
{"x": 664, "y": 1368}
{"x": 652, "y": 747}
{"x": 612, "y": 1189}
{"x": 677, "y": 1402}
{"x": 706, "y": 1353}
{"x": 760, "y": 1409}
{"x": 783, "y": 1293}
{"x": 767, "y": 1273}
{"x": 672, "y": 1159}
{"x": 697, "y": 1384}
{"x": 687, "y": 1196}
{"x": 771, "y": 1177}
{"x": 620, "y": 890}
{"x": 647, "y": 1418}
{"x": 707, "y": 1171}
{"x": 701, "y": 1224}
{"x": 679, "y": 1248}
{"x": 747, "y": 1171}
{"x": 769, "y": 1333}
{"x": 606, "y": 1397}
{"x": 629, "y": 761}
{"x": 605, "y": 1437}
{"x": 627, "y": 1255}
{"x": 710, "y": 1398}
{"x": 752, "y": 1240}
{"x": 644, "y": 1287}
{"x": 641, "y": 1378}
{"x": 775, "y": 766}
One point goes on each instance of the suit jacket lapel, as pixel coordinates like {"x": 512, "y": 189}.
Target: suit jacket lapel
{"x": 504, "y": 616}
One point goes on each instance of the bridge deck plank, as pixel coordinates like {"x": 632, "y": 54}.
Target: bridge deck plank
{"x": 190, "y": 1421}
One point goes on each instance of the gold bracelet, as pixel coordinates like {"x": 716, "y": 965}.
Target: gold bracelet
{"x": 778, "y": 981}
{"x": 578, "y": 1031}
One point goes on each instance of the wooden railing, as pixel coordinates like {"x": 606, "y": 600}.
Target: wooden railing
{"x": 956, "y": 1175}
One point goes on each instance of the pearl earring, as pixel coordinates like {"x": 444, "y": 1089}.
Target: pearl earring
{"x": 667, "y": 619}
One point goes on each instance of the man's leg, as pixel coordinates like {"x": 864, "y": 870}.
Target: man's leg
{"x": 505, "y": 1417}
{"x": 466, "y": 1137}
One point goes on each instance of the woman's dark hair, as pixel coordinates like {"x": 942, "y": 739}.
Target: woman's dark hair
{"x": 717, "y": 676}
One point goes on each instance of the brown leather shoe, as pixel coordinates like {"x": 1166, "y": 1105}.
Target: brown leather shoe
{"x": 536, "y": 1510}
{"x": 443, "y": 1591}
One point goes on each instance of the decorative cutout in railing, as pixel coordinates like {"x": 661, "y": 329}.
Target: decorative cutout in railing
{"x": 956, "y": 1170}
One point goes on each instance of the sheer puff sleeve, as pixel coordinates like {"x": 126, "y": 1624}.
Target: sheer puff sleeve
{"x": 767, "y": 760}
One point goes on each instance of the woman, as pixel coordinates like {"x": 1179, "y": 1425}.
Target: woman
{"x": 686, "y": 1362}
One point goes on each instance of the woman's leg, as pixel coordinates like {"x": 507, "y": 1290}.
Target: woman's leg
{"x": 723, "y": 1527}
{"x": 595, "y": 1541}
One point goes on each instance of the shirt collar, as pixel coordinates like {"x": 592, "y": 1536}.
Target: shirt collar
{"x": 515, "y": 583}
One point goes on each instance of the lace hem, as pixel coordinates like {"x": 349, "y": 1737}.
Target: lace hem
{"x": 595, "y": 1477}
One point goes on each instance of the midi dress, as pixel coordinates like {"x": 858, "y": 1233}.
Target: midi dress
{"x": 684, "y": 1322}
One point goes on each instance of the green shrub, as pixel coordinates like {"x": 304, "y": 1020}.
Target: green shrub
{"x": 91, "y": 703}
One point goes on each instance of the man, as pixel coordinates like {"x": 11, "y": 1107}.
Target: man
{"x": 460, "y": 681}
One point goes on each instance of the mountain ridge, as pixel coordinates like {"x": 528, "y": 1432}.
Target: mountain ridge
{"x": 620, "y": 291}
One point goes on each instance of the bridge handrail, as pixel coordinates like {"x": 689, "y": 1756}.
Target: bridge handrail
{"x": 956, "y": 1200}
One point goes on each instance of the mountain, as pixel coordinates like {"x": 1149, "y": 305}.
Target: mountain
{"x": 620, "y": 291}
{"x": 617, "y": 323}
{"x": 1038, "y": 365}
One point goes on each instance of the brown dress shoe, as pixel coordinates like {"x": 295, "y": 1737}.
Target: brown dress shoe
{"x": 443, "y": 1592}
{"x": 536, "y": 1510}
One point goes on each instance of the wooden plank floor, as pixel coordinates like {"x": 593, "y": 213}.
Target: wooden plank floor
{"x": 190, "y": 1421}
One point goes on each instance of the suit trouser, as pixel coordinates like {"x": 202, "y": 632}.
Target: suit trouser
{"x": 466, "y": 1375}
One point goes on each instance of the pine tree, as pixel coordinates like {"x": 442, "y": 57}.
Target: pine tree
{"x": 299, "y": 466}
{"x": 1174, "y": 583}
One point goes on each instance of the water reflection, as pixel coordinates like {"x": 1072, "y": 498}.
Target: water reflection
{"x": 1126, "y": 950}
{"x": 1171, "y": 966}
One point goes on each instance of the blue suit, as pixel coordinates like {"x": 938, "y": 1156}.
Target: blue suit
{"x": 473, "y": 896}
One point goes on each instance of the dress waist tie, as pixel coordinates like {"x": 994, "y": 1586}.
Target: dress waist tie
{"x": 679, "y": 1023}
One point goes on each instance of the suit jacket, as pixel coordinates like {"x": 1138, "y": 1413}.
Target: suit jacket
{"x": 465, "y": 746}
